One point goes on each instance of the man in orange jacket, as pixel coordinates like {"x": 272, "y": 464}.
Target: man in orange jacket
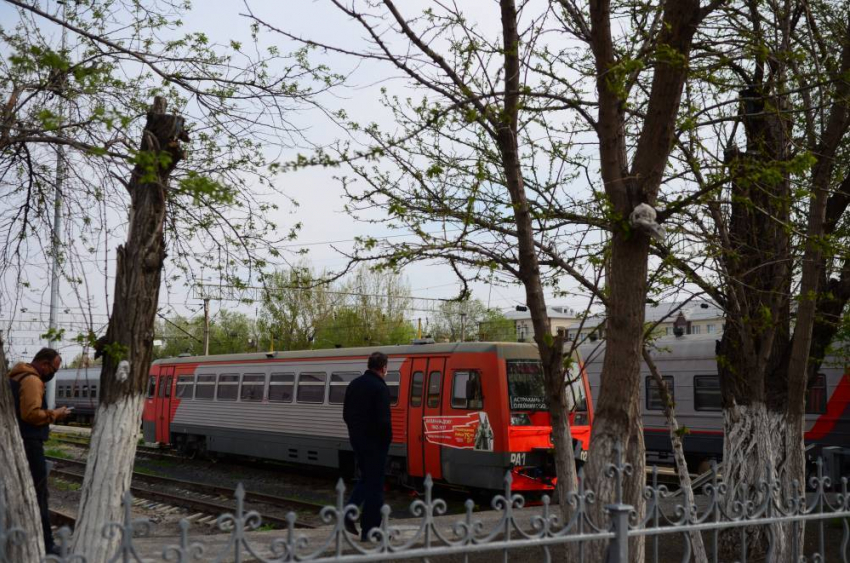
{"x": 34, "y": 419}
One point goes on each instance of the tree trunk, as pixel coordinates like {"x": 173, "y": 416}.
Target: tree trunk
{"x": 128, "y": 344}
{"x": 23, "y": 542}
{"x": 551, "y": 348}
{"x": 697, "y": 545}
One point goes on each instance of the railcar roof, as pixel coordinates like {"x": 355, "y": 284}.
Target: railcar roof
{"x": 508, "y": 350}
{"x": 686, "y": 347}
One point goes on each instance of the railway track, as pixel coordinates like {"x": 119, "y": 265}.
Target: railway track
{"x": 147, "y": 451}
{"x": 191, "y": 502}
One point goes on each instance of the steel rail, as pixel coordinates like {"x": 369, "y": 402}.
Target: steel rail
{"x": 196, "y": 504}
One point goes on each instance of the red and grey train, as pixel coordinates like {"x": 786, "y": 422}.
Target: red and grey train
{"x": 465, "y": 413}
{"x": 688, "y": 365}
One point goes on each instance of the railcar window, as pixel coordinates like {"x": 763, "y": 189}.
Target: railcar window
{"x": 466, "y": 390}
{"x": 435, "y": 381}
{"x": 94, "y": 391}
{"x": 281, "y": 386}
{"x": 185, "y": 386}
{"x": 653, "y": 397}
{"x": 151, "y": 387}
{"x": 339, "y": 383}
{"x": 816, "y": 395}
{"x": 76, "y": 392}
{"x": 311, "y": 387}
{"x": 416, "y": 389}
{"x": 60, "y": 392}
{"x": 85, "y": 393}
{"x": 253, "y": 385}
{"x": 228, "y": 385}
{"x": 205, "y": 387}
{"x": 393, "y": 380}
{"x": 707, "y": 393}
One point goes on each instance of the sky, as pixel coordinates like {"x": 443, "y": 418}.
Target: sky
{"x": 325, "y": 224}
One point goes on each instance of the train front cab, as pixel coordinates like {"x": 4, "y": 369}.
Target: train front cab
{"x": 473, "y": 417}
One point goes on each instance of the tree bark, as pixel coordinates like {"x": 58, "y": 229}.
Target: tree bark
{"x": 617, "y": 420}
{"x": 550, "y": 347}
{"x": 17, "y": 491}
{"x": 128, "y": 344}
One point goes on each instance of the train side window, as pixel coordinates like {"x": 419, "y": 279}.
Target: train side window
{"x": 416, "y": 389}
{"x": 466, "y": 390}
{"x": 816, "y": 395}
{"x": 339, "y": 383}
{"x": 228, "y": 386}
{"x": 653, "y": 396}
{"x": 311, "y": 387}
{"x": 280, "y": 387}
{"x": 707, "y": 393}
{"x": 185, "y": 386}
{"x": 60, "y": 391}
{"x": 435, "y": 383}
{"x": 393, "y": 381}
{"x": 151, "y": 387}
{"x": 205, "y": 387}
{"x": 94, "y": 391}
{"x": 76, "y": 392}
{"x": 85, "y": 392}
{"x": 253, "y": 385}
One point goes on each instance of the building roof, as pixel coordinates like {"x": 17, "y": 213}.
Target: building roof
{"x": 554, "y": 312}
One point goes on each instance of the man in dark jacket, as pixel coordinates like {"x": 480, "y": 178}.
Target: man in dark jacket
{"x": 34, "y": 419}
{"x": 366, "y": 412}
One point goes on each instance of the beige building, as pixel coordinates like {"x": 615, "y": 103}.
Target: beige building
{"x": 695, "y": 317}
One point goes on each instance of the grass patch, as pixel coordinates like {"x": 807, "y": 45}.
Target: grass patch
{"x": 147, "y": 471}
{"x": 60, "y": 485}
{"x": 56, "y": 452}
{"x": 266, "y": 528}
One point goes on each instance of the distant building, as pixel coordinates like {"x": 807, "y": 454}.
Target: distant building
{"x": 695, "y": 317}
{"x": 558, "y": 318}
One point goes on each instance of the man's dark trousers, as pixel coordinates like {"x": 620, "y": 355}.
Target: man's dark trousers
{"x": 34, "y": 449}
{"x": 369, "y": 489}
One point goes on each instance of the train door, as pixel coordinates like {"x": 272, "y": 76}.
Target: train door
{"x": 163, "y": 404}
{"x": 433, "y": 408}
{"x": 415, "y": 427}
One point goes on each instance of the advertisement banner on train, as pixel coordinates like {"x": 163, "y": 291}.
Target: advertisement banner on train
{"x": 468, "y": 432}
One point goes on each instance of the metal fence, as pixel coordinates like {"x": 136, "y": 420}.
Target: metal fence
{"x": 513, "y": 531}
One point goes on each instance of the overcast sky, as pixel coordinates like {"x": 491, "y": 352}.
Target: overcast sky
{"x": 321, "y": 204}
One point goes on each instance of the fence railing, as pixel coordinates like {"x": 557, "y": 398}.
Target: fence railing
{"x": 512, "y": 530}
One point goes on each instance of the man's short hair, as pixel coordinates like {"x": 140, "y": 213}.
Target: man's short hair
{"x": 377, "y": 361}
{"x": 48, "y": 354}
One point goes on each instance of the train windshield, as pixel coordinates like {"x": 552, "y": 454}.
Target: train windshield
{"x": 576, "y": 398}
{"x": 526, "y": 385}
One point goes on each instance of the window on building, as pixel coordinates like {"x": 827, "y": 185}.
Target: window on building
{"x": 816, "y": 395}
{"x": 466, "y": 390}
{"x": 185, "y": 386}
{"x": 281, "y": 387}
{"x": 710, "y": 329}
{"x": 253, "y": 386}
{"x": 435, "y": 382}
{"x": 393, "y": 381}
{"x": 339, "y": 383}
{"x": 695, "y": 329}
{"x": 228, "y": 387}
{"x": 668, "y": 331}
{"x": 707, "y": 393}
{"x": 653, "y": 396}
{"x": 416, "y": 389}
{"x": 311, "y": 387}
{"x": 205, "y": 387}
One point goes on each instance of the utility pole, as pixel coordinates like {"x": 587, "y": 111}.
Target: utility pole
{"x": 56, "y": 242}
{"x": 207, "y": 326}
{"x": 462, "y": 327}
